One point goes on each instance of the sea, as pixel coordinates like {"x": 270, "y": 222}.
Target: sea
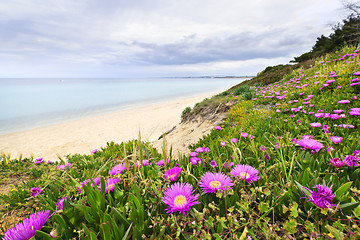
{"x": 28, "y": 103}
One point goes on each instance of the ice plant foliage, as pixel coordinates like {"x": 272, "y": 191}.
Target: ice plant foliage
{"x": 321, "y": 197}
{"x": 214, "y": 182}
{"x": 26, "y": 229}
{"x": 245, "y": 172}
{"x": 179, "y": 197}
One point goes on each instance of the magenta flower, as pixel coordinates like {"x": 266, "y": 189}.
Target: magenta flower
{"x": 200, "y": 149}
{"x": 346, "y": 126}
{"x": 213, "y": 163}
{"x": 172, "y": 174}
{"x": 234, "y": 140}
{"x": 336, "y": 139}
{"x": 35, "y": 191}
{"x": 338, "y": 111}
{"x": 217, "y": 128}
{"x": 26, "y": 229}
{"x": 351, "y": 160}
{"x": 315, "y": 124}
{"x": 344, "y": 101}
{"x": 179, "y": 197}
{"x": 336, "y": 162}
{"x": 65, "y": 166}
{"x": 60, "y": 203}
{"x": 245, "y": 172}
{"x": 94, "y": 151}
{"x": 162, "y": 162}
{"x": 194, "y": 160}
{"x": 193, "y": 154}
{"x": 214, "y": 182}
{"x": 244, "y": 135}
{"x": 310, "y": 144}
{"x": 354, "y": 111}
{"x": 322, "y": 197}
{"x": 118, "y": 169}
{"x": 262, "y": 148}
{"x": 145, "y": 162}
{"x": 222, "y": 144}
{"x": 95, "y": 180}
{"x": 38, "y": 161}
{"x": 228, "y": 165}
{"x": 110, "y": 184}
{"x": 334, "y": 116}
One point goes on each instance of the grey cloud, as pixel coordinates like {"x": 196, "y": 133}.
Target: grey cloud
{"x": 241, "y": 46}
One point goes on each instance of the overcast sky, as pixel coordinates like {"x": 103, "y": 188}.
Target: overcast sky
{"x": 157, "y": 38}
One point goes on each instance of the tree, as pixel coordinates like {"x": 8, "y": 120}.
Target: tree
{"x": 347, "y": 32}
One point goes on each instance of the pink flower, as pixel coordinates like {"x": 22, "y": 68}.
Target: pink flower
{"x": 344, "y": 101}
{"x": 310, "y": 144}
{"x": 38, "y": 161}
{"x": 334, "y": 116}
{"x": 193, "y": 154}
{"x": 244, "y": 135}
{"x": 245, "y": 172}
{"x": 213, "y": 163}
{"x": 336, "y": 162}
{"x": 172, "y": 174}
{"x": 318, "y": 115}
{"x": 194, "y": 160}
{"x": 336, "y": 139}
{"x": 35, "y": 191}
{"x": 217, "y": 128}
{"x": 162, "y": 162}
{"x": 200, "y": 149}
{"x": 234, "y": 140}
{"x": 322, "y": 197}
{"x": 228, "y": 165}
{"x": 222, "y": 143}
{"x": 315, "y": 124}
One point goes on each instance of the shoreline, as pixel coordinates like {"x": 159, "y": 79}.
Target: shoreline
{"x": 93, "y": 132}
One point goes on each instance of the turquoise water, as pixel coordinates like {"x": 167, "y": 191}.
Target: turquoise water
{"x": 31, "y": 103}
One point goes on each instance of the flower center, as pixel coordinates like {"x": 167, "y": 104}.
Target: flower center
{"x": 244, "y": 175}
{"x": 180, "y": 201}
{"x": 172, "y": 176}
{"x": 215, "y": 184}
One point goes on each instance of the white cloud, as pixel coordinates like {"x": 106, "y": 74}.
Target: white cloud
{"x": 121, "y": 36}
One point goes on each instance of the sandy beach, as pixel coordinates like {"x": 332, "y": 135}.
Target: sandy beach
{"x": 83, "y": 135}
